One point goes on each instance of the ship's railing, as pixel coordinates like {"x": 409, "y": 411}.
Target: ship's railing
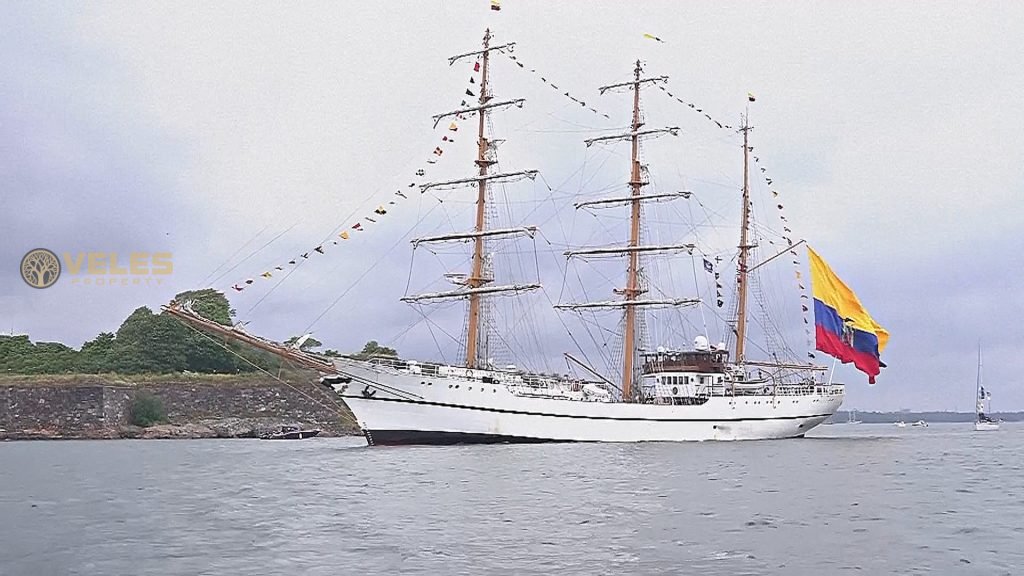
{"x": 492, "y": 376}
{"x": 789, "y": 390}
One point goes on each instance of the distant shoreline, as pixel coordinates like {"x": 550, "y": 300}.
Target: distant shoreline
{"x": 842, "y": 416}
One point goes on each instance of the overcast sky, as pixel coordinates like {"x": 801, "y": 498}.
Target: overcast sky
{"x": 892, "y": 130}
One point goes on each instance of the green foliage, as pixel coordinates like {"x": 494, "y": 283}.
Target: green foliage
{"x": 209, "y": 304}
{"x": 18, "y": 355}
{"x": 372, "y": 348}
{"x": 146, "y": 410}
{"x": 146, "y": 343}
{"x": 98, "y": 354}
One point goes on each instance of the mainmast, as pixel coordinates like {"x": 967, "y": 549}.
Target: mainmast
{"x": 633, "y": 248}
{"x": 745, "y": 246}
{"x": 633, "y": 288}
{"x": 476, "y": 283}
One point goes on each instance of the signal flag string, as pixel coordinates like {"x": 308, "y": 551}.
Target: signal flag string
{"x": 383, "y": 208}
{"x": 554, "y": 86}
{"x": 787, "y": 236}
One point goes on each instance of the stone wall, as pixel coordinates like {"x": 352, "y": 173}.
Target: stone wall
{"x": 99, "y": 408}
{"x": 41, "y": 407}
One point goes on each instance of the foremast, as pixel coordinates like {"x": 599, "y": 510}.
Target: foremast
{"x": 476, "y": 278}
{"x": 476, "y": 283}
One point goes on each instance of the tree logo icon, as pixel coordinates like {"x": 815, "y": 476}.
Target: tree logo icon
{"x": 40, "y": 268}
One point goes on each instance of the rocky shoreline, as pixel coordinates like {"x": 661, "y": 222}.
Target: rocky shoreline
{"x": 220, "y": 428}
{"x": 97, "y": 408}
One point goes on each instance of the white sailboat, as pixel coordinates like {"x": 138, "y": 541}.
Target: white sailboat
{"x": 658, "y": 393}
{"x": 983, "y": 422}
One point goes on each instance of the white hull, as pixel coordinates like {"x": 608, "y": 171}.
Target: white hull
{"x": 417, "y": 409}
{"x": 986, "y": 426}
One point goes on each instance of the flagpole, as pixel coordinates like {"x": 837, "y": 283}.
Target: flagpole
{"x": 832, "y": 371}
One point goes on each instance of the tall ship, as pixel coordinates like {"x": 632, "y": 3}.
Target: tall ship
{"x": 648, "y": 390}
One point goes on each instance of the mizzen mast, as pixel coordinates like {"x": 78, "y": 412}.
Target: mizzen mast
{"x": 742, "y": 267}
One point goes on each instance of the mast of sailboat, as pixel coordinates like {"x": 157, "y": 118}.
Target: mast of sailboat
{"x": 475, "y": 285}
{"x": 632, "y": 249}
{"x": 742, "y": 267}
{"x": 979, "y": 400}
{"x": 476, "y": 278}
{"x": 632, "y": 286}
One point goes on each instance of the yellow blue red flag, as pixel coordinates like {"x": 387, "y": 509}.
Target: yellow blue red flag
{"x": 842, "y": 326}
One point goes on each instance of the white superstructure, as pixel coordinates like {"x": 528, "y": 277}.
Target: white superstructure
{"x": 402, "y": 402}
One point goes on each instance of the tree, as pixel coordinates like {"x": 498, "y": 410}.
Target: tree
{"x": 98, "y": 354}
{"x": 209, "y": 304}
{"x": 206, "y": 355}
{"x": 151, "y": 343}
{"x": 14, "y": 351}
{"x": 372, "y": 348}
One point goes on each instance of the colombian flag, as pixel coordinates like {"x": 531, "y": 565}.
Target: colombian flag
{"x": 843, "y": 328}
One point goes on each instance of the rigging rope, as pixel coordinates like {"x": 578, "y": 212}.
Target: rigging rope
{"x": 336, "y": 408}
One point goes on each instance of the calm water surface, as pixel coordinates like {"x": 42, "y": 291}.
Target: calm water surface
{"x": 861, "y": 499}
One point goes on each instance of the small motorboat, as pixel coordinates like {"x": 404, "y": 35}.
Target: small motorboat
{"x": 920, "y": 423}
{"x": 290, "y": 433}
{"x": 901, "y": 424}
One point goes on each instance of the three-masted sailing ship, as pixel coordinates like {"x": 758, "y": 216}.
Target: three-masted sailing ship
{"x": 701, "y": 392}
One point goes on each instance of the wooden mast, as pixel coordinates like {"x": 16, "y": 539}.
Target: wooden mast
{"x": 632, "y": 289}
{"x": 476, "y": 278}
{"x": 742, "y": 266}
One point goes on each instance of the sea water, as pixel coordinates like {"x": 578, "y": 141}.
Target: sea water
{"x": 852, "y": 499}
